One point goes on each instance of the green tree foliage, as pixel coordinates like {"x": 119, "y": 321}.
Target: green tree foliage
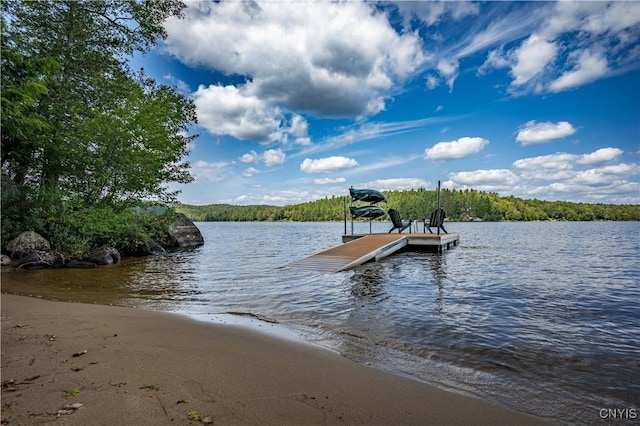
{"x": 467, "y": 205}
{"x": 134, "y": 144}
{"x": 23, "y": 83}
{"x": 80, "y": 130}
{"x": 87, "y": 101}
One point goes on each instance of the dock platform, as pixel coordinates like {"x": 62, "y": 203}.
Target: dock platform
{"x": 361, "y": 248}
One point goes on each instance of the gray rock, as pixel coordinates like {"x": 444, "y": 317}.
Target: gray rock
{"x": 27, "y": 242}
{"x": 5, "y": 260}
{"x": 150, "y": 248}
{"x": 183, "y": 233}
{"x": 103, "y": 255}
{"x": 40, "y": 259}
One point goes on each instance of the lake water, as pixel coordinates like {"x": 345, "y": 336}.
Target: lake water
{"x": 543, "y": 317}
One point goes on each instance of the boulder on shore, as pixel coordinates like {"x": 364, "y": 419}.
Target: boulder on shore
{"x": 25, "y": 243}
{"x": 103, "y": 255}
{"x": 40, "y": 259}
{"x": 149, "y": 248}
{"x": 183, "y": 233}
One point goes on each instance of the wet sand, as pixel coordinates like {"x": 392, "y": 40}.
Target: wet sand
{"x": 129, "y": 366}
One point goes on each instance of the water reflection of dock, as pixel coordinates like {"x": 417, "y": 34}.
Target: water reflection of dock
{"x": 361, "y": 248}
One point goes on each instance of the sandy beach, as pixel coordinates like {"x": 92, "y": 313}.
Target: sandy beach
{"x": 81, "y": 364}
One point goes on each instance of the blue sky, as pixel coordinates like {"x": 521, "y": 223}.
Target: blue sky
{"x": 297, "y": 101}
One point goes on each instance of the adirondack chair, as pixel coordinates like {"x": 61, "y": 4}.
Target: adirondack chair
{"x": 435, "y": 221}
{"x": 398, "y": 223}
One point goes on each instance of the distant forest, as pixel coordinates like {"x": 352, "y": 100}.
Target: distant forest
{"x": 460, "y": 205}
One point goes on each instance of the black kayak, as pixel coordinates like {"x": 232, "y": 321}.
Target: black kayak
{"x": 367, "y": 195}
{"x": 367, "y": 212}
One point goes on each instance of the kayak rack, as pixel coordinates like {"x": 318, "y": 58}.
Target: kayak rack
{"x": 361, "y": 248}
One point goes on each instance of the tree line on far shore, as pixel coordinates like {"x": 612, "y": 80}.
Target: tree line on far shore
{"x": 460, "y": 205}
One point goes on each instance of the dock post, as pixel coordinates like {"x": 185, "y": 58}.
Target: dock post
{"x": 344, "y": 211}
{"x": 351, "y": 204}
{"x": 438, "y": 205}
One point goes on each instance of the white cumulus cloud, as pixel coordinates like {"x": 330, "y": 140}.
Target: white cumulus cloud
{"x": 251, "y": 171}
{"x": 460, "y": 148}
{"x": 250, "y": 157}
{"x": 325, "y": 181}
{"x": 332, "y": 59}
{"x": 571, "y": 44}
{"x": 431, "y": 82}
{"x": 600, "y": 156}
{"x": 558, "y": 161}
{"x": 327, "y": 165}
{"x": 270, "y": 157}
{"x": 485, "y": 177}
{"x": 227, "y": 110}
{"x": 448, "y": 69}
{"x": 590, "y": 177}
{"x": 274, "y": 157}
{"x": 533, "y": 132}
{"x": 299, "y": 130}
{"x": 205, "y": 171}
{"x": 555, "y": 176}
{"x": 622, "y": 169}
{"x": 531, "y": 58}
{"x": 433, "y": 12}
{"x": 590, "y": 66}
{"x": 233, "y": 111}
{"x": 397, "y": 184}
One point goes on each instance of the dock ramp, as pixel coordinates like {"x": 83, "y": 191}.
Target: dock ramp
{"x": 349, "y": 255}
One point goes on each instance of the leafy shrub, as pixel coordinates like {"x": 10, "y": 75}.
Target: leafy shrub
{"x": 73, "y": 229}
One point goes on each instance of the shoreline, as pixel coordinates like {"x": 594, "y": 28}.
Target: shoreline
{"x": 146, "y": 367}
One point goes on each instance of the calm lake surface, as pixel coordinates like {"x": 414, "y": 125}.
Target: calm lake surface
{"x": 543, "y": 317}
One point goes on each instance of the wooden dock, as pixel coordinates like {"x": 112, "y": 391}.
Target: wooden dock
{"x": 361, "y": 248}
